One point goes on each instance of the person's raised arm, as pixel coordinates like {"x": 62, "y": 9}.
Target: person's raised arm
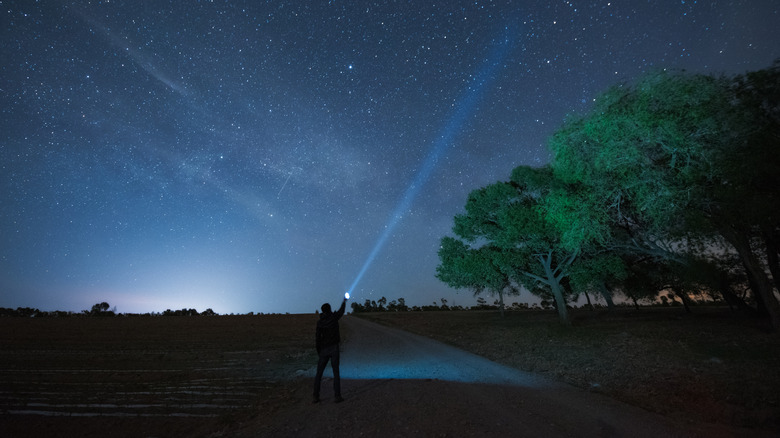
{"x": 340, "y": 312}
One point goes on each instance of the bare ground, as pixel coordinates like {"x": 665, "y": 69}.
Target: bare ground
{"x": 707, "y": 375}
{"x": 144, "y": 376}
{"x": 469, "y": 396}
{"x": 711, "y": 366}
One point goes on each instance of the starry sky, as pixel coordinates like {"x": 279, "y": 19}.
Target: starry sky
{"x": 267, "y": 156}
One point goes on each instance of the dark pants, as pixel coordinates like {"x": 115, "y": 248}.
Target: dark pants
{"x": 331, "y": 353}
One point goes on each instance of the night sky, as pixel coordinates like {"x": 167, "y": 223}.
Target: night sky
{"x": 253, "y": 156}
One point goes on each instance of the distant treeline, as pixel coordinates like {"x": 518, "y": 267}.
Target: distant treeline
{"x": 381, "y": 305}
{"x": 399, "y": 305}
{"x": 31, "y": 312}
{"x": 98, "y": 310}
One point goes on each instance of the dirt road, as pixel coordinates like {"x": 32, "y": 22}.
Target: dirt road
{"x": 399, "y": 384}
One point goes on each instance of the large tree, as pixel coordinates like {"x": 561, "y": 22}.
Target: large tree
{"x": 600, "y": 272}
{"x": 505, "y": 240}
{"x": 477, "y": 268}
{"x": 670, "y": 162}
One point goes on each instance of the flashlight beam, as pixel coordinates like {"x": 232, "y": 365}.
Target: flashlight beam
{"x": 443, "y": 142}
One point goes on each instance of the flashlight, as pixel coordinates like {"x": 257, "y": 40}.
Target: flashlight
{"x": 346, "y": 295}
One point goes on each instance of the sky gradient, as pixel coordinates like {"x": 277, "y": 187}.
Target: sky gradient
{"x": 269, "y": 156}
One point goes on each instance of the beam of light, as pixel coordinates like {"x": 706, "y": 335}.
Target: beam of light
{"x": 407, "y": 356}
{"x": 463, "y": 110}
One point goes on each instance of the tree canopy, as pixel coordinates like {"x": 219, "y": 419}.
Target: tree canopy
{"x": 659, "y": 173}
{"x": 504, "y": 241}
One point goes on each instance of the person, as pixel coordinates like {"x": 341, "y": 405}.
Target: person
{"x": 327, "y": 340}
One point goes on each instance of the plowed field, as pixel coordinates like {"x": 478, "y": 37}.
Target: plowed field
{"x": 143, "y": 376}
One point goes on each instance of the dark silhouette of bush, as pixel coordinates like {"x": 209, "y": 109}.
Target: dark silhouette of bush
{"x": 25, "y": 312}
{"x": 100, "y": 309}
{"x": 182, "y": 312}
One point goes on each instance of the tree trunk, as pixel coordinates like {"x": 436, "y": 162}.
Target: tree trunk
{"x": 607, "y": 294}
{"x": 732, "y": 299}
{"x": 771, "y": 255}
{"x": 563, "y": 312}
{"x": 587, "y": 297}
{"x": 763, "y": 286}
{"x": 501, "y": 302}
{"x": 633, "y": 298}
{"x": 557, "y": 291}
{"x": 554, "y": 282}
{"x": 683, "y": 298}
{"x": 761, "y": 309}
{"x": 566, "y": 285}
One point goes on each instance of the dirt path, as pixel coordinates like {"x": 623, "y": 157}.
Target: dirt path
{"x": 373, "y": 351}
{"x": 399, "y": 384}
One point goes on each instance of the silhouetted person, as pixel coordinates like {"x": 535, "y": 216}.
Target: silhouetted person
{"x": 327, "y": 342}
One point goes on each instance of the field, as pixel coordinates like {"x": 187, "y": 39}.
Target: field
{"x": 144, "y": 376}
{"x": 710, "y": 366}
{"x": 211, "y": 376}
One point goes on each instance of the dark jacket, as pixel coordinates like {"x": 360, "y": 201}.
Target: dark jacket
{"x": 328, "y": 328}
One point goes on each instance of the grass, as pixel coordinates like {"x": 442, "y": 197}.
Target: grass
{"x": 711, "y": 366}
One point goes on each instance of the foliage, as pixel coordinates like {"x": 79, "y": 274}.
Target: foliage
{"x": 505, "y": 241}
{"x": 672, "y": 162}
{"x": 101, "y": 309}
{"x": 640, "y": 197}
{"x": 182, "y": 312}
{"x": 399, "y": 305}
{"x": 29, "y": 312}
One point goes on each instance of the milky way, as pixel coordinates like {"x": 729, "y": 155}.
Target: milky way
{"x": 248, "y": 156}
